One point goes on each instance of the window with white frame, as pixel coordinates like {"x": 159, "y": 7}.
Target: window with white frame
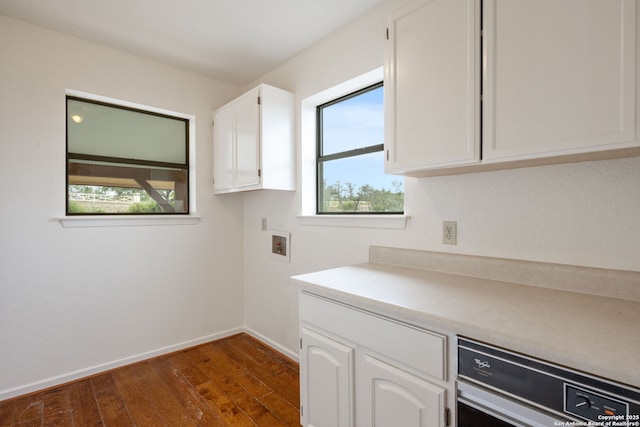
{"x": 125, "y": 160}
{"x": 350, "y": 157}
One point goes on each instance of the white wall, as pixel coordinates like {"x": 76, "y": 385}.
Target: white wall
{"x": 77, "y": 300}
{"x": 582, "y": 214}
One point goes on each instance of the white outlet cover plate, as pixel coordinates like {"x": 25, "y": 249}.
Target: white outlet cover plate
{"x": 450, "y": 232}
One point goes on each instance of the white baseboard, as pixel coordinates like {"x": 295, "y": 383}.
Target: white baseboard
{"x": 290, "y": 354}
{"x": 83, "y": 373}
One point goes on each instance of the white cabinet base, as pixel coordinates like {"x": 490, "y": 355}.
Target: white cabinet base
{"x": 361, "y": 369}
{"x": 326, "y": 372}
{"x": 393, "y": 397}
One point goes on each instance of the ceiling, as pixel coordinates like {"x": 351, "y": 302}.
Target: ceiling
{"x": 235, "y": 41}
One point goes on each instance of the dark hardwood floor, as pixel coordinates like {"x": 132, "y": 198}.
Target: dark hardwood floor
{"x": 235, "y": 381}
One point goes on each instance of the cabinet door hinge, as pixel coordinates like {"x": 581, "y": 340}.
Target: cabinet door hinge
{"x": 259, "y": 101}
{"x": 300, "y": 343}
{"x": 259, "y": 173}
{"x": 302, "y": 411}
{"x": 447, "y": 417}
{"x": 387, "y": 33}
{"x": 387, "y": 155}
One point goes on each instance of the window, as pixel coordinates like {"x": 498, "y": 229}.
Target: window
{"x": 350, "y": 160}
{"x": 125, "y": 160}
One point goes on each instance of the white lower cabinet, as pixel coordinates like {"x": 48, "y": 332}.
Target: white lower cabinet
{"x": 393, "y": 397}
{"x": 361, "y": 369}
{"x": 327, "y": 372}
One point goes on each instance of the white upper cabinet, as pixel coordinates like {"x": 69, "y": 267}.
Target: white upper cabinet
{"x": 253, "y": 142}
{"x": 224, "y": 148}
{"x": 432, "y": 85}
{"x": 247, "y": 140}
{"x": 559, "y": 78}
{"x": 558, "y": 84}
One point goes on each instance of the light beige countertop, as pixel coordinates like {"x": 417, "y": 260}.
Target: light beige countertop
{"x": 596, "y": 334}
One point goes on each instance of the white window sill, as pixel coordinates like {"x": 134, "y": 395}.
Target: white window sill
{"x": 397, "y": 222}
{"x": 126, "y": 220}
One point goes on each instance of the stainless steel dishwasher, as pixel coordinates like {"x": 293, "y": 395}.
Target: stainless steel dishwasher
{"x": 500, "y": 388}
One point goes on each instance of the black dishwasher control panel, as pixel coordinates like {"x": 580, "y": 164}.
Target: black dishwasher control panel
{"x": 555, "y": 388}
{"x": 594, "y": 406}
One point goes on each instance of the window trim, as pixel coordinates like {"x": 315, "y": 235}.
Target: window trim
{"x": 380, "y": 221}
{"x": 192, "y": 218}
{"x": 320, "y": 159}
{"x": 307, "y": 216}
{"x": 86, "y": 221}
{"x": 189, "y": 164}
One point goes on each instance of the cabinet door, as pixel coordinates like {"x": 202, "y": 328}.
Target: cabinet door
{"x": 247, "y": 111}
{"x": 432, "y": 86}
{"x": 393, "y": 397}
{"x": 559, "y": 77}
{"x": 326, "y": 375}
{"x": 223, "y": 149}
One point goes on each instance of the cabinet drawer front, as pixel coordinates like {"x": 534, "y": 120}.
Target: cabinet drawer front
{"x": 414, "y": 347}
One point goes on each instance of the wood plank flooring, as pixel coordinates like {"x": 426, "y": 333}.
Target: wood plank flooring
{"x": 235, "y": 381}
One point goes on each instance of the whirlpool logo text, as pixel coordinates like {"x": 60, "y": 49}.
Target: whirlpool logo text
{"x": 482, "y": 363}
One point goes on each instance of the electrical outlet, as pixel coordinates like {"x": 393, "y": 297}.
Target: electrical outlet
{"x": 449, "y": 232}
